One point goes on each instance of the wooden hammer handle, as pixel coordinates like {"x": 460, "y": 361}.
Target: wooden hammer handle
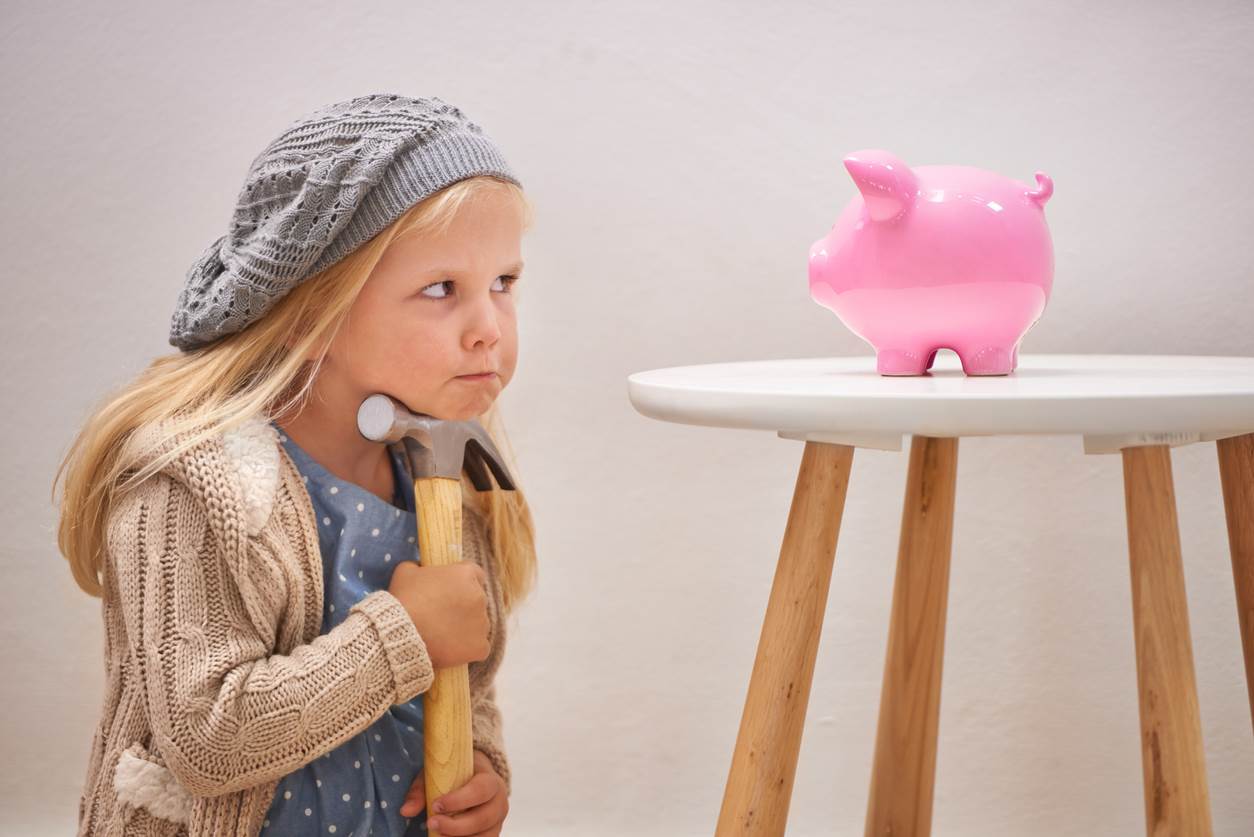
{"x": 448, "y": 754}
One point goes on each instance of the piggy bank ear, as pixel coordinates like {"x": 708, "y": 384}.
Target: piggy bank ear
{"x": 887, "y": 185}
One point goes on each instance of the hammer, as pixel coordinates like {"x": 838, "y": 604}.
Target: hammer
{"x": 438, "y": 451}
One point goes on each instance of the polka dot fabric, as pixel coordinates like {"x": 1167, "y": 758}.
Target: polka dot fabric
{"x": 356, "y": 789}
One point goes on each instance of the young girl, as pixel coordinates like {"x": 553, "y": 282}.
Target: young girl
{"x": 268, "y": 629}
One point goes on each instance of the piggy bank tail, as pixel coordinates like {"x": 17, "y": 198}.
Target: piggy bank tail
{"x": 1044, "y": 188}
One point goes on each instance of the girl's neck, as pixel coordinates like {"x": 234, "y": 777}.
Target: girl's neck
{"x": 338, "y": 446}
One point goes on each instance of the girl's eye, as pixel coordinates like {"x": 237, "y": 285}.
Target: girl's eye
{"x": 509, "y": 283}
{"x": 436, "y": 285}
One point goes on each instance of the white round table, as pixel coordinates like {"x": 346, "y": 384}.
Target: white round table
{"x": 1136, "y": 405}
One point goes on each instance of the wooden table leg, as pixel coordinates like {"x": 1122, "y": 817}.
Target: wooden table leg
{"x": 1172, "y": 758}
{"x": 902, "y": 779}
{"x": 1236, "y": 472}
{"x": 759, "y": 786}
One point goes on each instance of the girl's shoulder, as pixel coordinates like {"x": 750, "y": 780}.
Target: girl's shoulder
{"x": 238, "y": 467}
{"x": 225, "y": 487}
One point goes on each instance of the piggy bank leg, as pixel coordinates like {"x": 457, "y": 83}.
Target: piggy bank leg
{"x": 989, "y": 358}
{"x": 911, "y": 361}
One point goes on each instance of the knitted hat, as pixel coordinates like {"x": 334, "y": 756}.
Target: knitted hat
{"x": 329, "y": 183}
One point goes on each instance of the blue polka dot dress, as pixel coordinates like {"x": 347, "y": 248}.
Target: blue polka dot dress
{"x": 357, "y": 788}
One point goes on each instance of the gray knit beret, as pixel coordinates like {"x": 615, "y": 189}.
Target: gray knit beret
{"x": 326, "y": 185}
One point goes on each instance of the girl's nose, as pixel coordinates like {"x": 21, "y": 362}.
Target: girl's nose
{"x": 483, "y": 325}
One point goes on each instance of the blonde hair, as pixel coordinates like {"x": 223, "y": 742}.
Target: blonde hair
{"x": 261, "y": 370}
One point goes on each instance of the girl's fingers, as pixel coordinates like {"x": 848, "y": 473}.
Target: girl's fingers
{"x": 415, "y": 798}
{"x": 478, "y": 790}
{"x": 465, "y": 824}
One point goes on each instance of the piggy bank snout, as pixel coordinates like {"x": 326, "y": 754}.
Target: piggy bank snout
{"x": 818, "y": 260}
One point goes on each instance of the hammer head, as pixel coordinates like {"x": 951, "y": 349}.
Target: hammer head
{"x": 436, "y": 448}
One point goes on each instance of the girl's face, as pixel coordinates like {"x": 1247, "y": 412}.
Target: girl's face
{"x": 436, "y": 309}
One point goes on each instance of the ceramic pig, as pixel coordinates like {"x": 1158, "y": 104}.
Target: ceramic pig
{"x": 936, "y": 257}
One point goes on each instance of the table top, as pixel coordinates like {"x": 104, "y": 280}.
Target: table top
{"x": 1109, "y": 399}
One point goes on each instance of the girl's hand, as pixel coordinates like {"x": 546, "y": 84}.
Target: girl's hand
{"x": 449, "y": 606}
{"x": 477, "y": 808}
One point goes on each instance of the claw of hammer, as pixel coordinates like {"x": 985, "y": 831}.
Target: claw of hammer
{"x": 436, "y": 447}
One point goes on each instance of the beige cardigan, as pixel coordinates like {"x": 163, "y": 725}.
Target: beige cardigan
{"x": 217, "y": 682}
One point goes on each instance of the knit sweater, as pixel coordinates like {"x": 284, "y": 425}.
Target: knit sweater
{"x": 217, "y": 681}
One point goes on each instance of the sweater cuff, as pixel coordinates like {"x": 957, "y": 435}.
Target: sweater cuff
{"x": 406, "y": 651}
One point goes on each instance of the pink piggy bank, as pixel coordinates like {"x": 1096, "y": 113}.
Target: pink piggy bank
{"x": 936, "y": 257}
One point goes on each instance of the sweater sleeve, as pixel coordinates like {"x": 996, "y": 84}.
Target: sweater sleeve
{"x": 227, "y": 714}
{"x": 486, "y": 725}
{"x": 486, "y": 719}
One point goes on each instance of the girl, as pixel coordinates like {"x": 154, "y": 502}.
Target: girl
{"x": 269, "y": 630}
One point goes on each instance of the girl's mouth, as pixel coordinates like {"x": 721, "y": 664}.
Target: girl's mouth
{"x": 480, "y": 377}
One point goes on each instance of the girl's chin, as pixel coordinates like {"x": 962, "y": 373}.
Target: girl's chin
{"x": 465, "y": 411}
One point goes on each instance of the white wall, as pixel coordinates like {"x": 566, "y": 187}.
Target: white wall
{"x": 682, "y": 157}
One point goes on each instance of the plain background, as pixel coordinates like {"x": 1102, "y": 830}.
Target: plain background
{"x": 681, "y": 158}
